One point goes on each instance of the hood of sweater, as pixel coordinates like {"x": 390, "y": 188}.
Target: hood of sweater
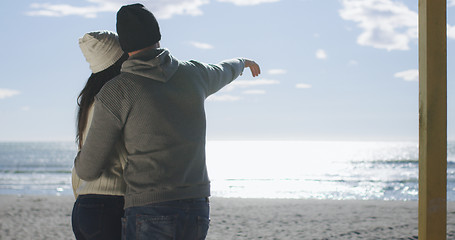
{"x": 157, "y": 64}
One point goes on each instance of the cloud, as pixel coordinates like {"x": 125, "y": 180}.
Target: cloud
{"x": 254, "y": 92}
{"x": 353, "y": 63}
{"x": 303, "y": 85}
{"x": 161, "y": 8}
{"x": 245, "y": 84}
{"x": 200, "y": 45}
{"x": 249, "y": 83}
{"x": 60, "y": 10}
{"x": 241, "y": 84}
{"x": 276, "y": 71}
{"x": 386, "y": 24}
{"x": 451, "y": 31}
{"x": 25, "y": 108}
{"x": 408, "y": 75}
{"x": 248, "y": 2}
{"x": 6, "y": 93}
{"x": 223, "y": 98}
{"x": 321, "y": 54}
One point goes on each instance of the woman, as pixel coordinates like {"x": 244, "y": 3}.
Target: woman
{"x": 99, "y": 204}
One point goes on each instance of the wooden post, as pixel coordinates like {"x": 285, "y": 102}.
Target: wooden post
{"x": 432, "y": 120}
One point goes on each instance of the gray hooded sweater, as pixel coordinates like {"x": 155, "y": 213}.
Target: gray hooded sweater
{"x": 156, "y": 107}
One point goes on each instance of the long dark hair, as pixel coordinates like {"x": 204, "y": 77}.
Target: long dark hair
{"x": 87, "y": 96}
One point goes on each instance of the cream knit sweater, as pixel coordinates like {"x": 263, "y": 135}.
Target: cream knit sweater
{"x": 111, "y": 181}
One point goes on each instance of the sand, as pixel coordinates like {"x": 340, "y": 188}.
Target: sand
{"x": 49, "y": 217}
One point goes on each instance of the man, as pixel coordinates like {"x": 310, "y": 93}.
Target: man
{"x": 156, "y": 106}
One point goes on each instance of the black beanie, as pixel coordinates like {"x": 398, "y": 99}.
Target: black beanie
{"x": 137, "y": 28}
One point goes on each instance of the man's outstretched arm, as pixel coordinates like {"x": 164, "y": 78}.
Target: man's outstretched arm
{"x": 219, "y": 75}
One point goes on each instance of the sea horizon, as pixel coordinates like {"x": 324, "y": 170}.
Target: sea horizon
{"x": 338, "y": 170}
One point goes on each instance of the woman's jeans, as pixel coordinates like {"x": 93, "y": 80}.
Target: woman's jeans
{"x": 181, "y": 219}
{"x": 98, "y": 217}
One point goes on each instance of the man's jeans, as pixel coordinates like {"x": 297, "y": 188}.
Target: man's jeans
{"x": 182, "y": 219}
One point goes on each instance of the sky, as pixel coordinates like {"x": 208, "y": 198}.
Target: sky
{"x": 331, "y": 69}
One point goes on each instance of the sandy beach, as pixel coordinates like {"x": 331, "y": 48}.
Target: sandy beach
{"x": 49, "y": 217}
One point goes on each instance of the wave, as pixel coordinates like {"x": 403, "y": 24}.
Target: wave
{"x": 31, "y": 171}
{"x": 450, "y": 162}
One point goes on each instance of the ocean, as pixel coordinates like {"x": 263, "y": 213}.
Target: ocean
{"x": 252, "y": 169}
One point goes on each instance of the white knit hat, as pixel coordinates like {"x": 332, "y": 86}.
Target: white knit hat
{"x": 101, "y": 49}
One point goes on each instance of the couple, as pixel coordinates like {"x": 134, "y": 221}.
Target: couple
{"x": 141, "y": 130}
